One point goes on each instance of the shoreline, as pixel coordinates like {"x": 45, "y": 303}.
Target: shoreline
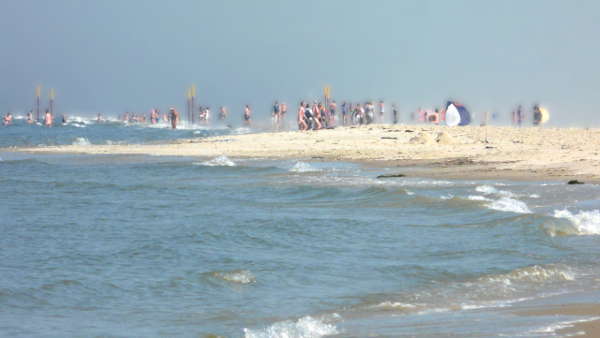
{"x": 470, "y": 152}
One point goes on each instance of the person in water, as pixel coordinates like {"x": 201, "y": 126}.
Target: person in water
{"x": 48, "y": 119}
{"x": 174, "y": 117}
{"x": 395, "y": 113}
{"x": 30, "y": 117}
{"x": 8, "y": 118}
{"x": 223, "y": 113}
{"x": 247, "y": 116}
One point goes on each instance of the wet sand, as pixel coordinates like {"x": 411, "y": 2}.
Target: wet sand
{"x": 585, "y": 320}
{"x": 452, "y": 152}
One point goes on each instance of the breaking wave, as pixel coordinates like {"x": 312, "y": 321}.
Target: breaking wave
{"x": 81, "y": 141}
{"x": 302, "y": 167}
{"x": 219, "y": 161}
{"x": 305, "y": 327}
{"x": 581, "y": 223}
{"x": 510, "y": 205}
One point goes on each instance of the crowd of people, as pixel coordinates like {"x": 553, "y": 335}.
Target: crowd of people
{"x": 313, "y": 115}
{"x": 47, "y": 119}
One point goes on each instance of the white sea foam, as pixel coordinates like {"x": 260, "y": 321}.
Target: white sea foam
{"x": 236, "y": 276}
{"x": 534, "y": 196}
{"x": 447, "y": 197}
{"x": 81, "y": 141}
{"x": 510, "y": 205}
{"x": 478, "y": 198}
{"x": 486, "y": 189}
{"x": 302, "y": 167}
{"x": 305, "y": 327}
{"x": 409, "y": 193}
{"x": 219, "y": 161}
{"x": 584, "y": 222}
{"x": 388, "y": 305}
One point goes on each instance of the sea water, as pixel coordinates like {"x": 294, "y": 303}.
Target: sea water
{"x": 135, "y": 246}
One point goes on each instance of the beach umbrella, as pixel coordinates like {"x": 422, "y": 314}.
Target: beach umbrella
{"x": 452, "y": 116}
{"x": 545, "y": 115}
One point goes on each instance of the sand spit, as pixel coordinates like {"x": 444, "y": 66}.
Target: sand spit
{"x": 454, "y": 152}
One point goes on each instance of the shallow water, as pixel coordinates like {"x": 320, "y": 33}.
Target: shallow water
{"x": 152, "y": 246}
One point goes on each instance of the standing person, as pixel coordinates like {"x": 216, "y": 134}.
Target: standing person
{"x": 302, "y": 125}
{"x": 316, "y": 113}
{"x": 395, "y": 113}
{"x": 173, "y": 117}
{"x": 519, "y": 115}
{"x": 282, "y": 110}
{"x": 30, "y": 117}
{"x": 344, "y": 112}
{"x": 275, "y": 114}
{"x": 537, "y": 115}
{"x": 381, "y": 111}
{"x": 332, "y": 112}
{"x": 247, "y": 115}
{"x": 48, "y": 120}
{"x": 153, "y": 116}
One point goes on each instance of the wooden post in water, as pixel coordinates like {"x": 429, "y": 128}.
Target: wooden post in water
{"x": 193, "y": 104}
{"x": 51, "y": 97}
{"x": 38, "y": 93}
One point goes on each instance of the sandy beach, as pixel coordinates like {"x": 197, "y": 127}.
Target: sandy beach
{"x": 438, "y": 151}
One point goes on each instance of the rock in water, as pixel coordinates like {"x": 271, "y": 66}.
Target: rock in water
{"x": 391, "y": 175}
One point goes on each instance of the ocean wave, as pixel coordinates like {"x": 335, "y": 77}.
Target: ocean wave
{"x": 219, "y": 161}
{"x": 535, "y": 273}
{"x": 489, "y": 190}
{"x": 510, "y": 205}
{"x": 305, "y": 327}
{"x": 581, "y": 223}
{"x": 487, "y": 291}
{"x": 235, "y": 276}
{"x": 81, "y": 141}
{"x": 302, "y": 167}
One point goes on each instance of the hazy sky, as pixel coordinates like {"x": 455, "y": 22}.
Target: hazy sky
{"x": 113, "y": 56}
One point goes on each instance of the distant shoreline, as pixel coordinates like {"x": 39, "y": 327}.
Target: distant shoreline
{"x": 470, "y": 152}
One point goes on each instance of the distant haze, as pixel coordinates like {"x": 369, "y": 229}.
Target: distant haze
{"x": 115, "y": 56}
